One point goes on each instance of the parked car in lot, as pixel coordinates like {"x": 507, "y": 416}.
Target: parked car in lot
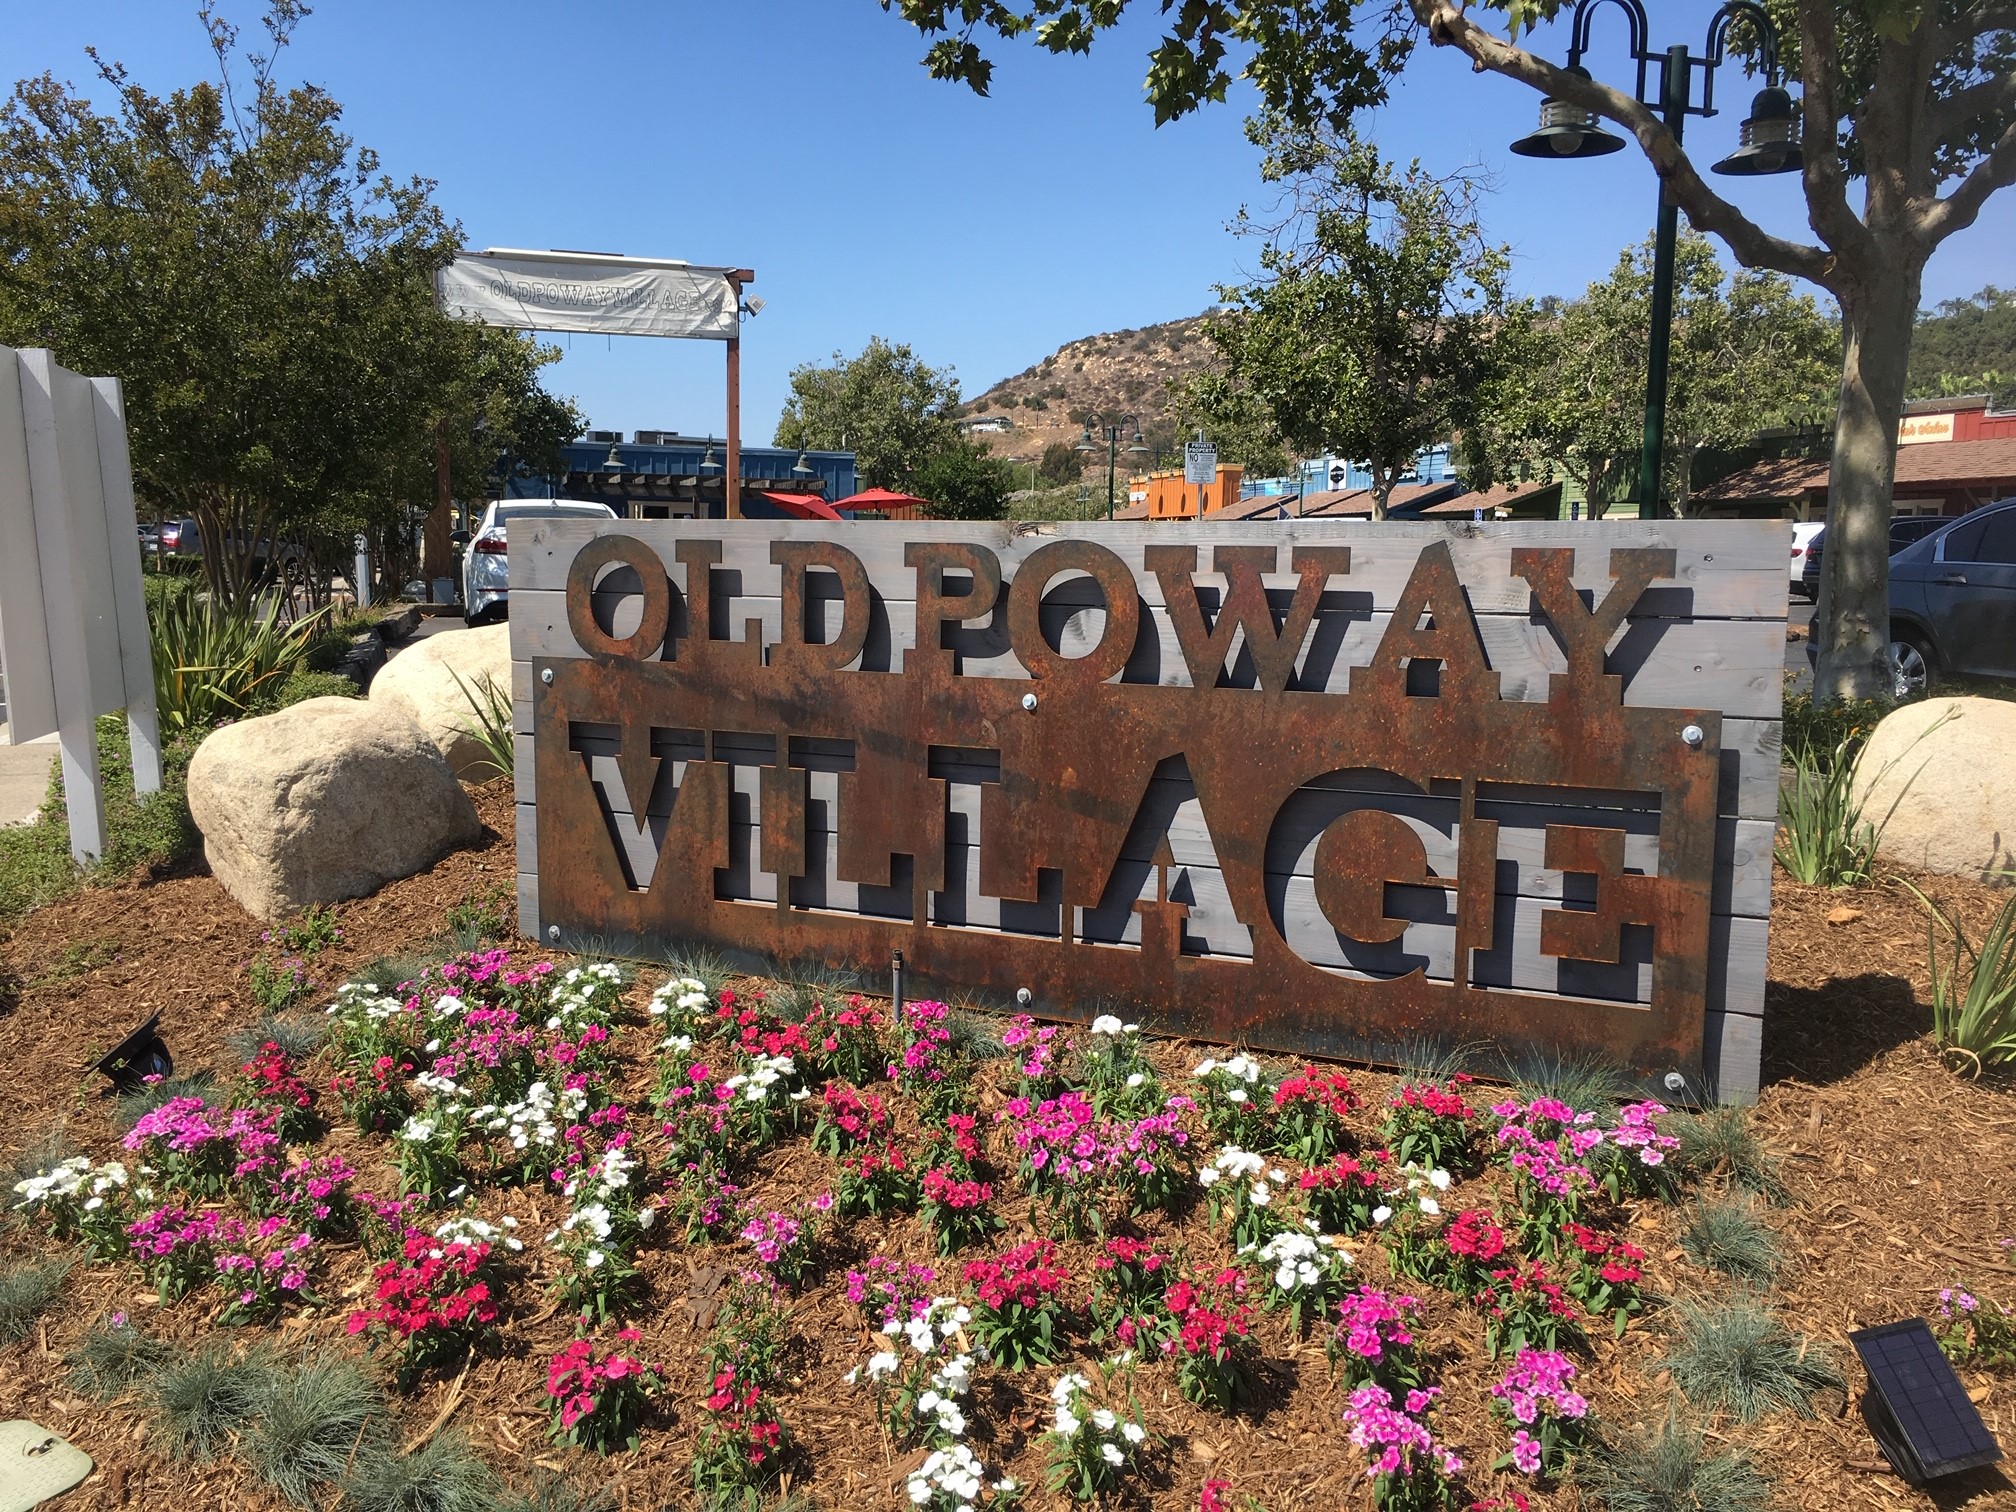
{"x": 1904, "y": 529}
{"x": 1803, "y": 532}
{"x": 1953, "y": 601}
{"x": 486, "y": 565}
{"x": 184, "y": 539}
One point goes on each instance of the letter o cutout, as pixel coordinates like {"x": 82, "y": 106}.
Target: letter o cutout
{"x": 1025, "y": 601}
{"x": 607, "y": 551}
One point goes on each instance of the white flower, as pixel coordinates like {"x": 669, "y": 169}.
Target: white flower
{"x": 1439, "y": 1179}
{"x": 1430, "y": 1206}
{"x": 1262, "y": 1194}
{"x": 1111, "y": 1455}
{"x": 1067, "y": 1423}
{"x": 417, "y": 1129}
{"x": 1134, "y": 1433}
{"x": 1237, "y": 1095}
{"x": 1381, "y": 1214}
{"x": 593, "y": 1260}
{"x": 1135, "y": 1078}
{"x": 1107, "y": 1023}
{"x": 1204, "y": 1068}
{"x": 1103, "y": 1417}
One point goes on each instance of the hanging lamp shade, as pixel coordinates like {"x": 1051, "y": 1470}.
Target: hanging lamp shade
{"x": 1769, "y": 138}
{"x": 1568, "y": 131}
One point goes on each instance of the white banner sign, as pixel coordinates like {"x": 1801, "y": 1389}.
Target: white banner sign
{"x": 613, "y": 296}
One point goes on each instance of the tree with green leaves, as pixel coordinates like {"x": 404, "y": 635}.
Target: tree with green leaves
{"x": 964, "y": 482}
{"x": 1967, "y": 346}
{"x": 1376, "y": 325}
{"x": 1748, "y": 352}
{"x": 1909, "y": 99}
{"x": 888, "y": 406}
{"x": 261, "y": 289}
{"x": 1061, "y": 464}
{"x": 1230, "y": 414}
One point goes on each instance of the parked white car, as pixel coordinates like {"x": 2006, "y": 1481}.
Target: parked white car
{"x": 486, "y": 564}
{"x": 1803, "y": 532}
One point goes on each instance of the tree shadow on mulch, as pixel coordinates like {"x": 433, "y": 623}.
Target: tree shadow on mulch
{"x": 1826, "y": 1034}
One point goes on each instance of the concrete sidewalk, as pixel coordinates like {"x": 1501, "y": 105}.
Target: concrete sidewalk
{"x": 24, "y": 777}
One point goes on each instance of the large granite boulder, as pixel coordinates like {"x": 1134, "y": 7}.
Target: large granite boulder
{"x": 329, "y": 799}
{"x": 421, "y": 682}
{"x": 1948, "y": 765}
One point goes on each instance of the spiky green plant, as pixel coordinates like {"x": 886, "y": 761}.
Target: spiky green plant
{"x": 1825, "y": 837}
{"x": 443, "y": 1475}
{"x": 1724, "y": 1141}
{"x": 204, "y": 1400}
{"x": 1587, "y": 1083}
{"x": 1669, "y": 1470}
{"x": 1974, "y": 1025}
{"x": 551, "y": 1493}
{"x": 142, "y": 1100}
{"x": 490, "y": 727}
{"x": 211, "y": 665}
{"x": 1423, "y": 1058}
{"x": 296, "y": 1036}
{"x": 1735, "y": 1355}
{"x": 708, "y": 967}
{"x": 26, "y": 1292}
{"x": 323, "y": 1411}
{"x": 113, "y": 1356}
{"x": 1725, "y": 1234}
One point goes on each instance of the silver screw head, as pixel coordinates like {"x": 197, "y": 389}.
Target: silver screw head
{"x": 1029, "y": 702}
{"x": 1675, "y": 1082}
{"x": 546, "y": 676}
{"x": 553, "y": 933}
{"x": 1024, "y": 996}
{"x": 1694, "y": 735}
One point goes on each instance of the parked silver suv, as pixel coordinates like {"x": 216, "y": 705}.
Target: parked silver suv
{"x": 1953, "y": 601}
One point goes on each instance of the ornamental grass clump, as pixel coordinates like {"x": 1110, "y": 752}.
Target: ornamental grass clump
{"x": 309, "y": 1429}
{"x": 442, "y": 1475}
{"x": 202, "y": 1400}
{"x": 1550, "y": 1419}
{"x": 598, "y": 1393}
{"x": 1410, "y": 1470}
{"x": 1090, "y": 1448}
{"x": 1022, "y": 1315}
{"x": 1669, "y": 1470}
{"x": 1724, "y": 1142}
{"x": 1738, "y": 1357}
{"x": 26, "y": 1292}
{"x": 1725, "y": 1234}
{"x": 114, "y": 1356}
{"x": 1973, "y": 1024}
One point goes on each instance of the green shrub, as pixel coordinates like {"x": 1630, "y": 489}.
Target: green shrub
{"x": 320, "y": 1414}
{"x": 442, "y": 1475}
{"x": 1735, "y": 1355}
{"x": 1587, "y": 1083}
{"x": 1820, "y": 734}
{"x": 203, "y": 1400}
{"x": 490, "y": 724}
{"x": 1974, "y": 1025}
{"x": 299, "y": 686}
{"x": 553, "y": 1494}
{"x": 26, "y": 1292}
{"x": 1669, "y": 1471}
{"x": 297, "y": 1037}
{"x": 113, "y": 1356}
{"x": 1727, "y": 1235}
{"x": 1823, "y": 840}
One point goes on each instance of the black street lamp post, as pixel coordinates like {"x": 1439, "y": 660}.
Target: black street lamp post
{"x": 1137, "y": 447}
{"x": 1769, "y": 144}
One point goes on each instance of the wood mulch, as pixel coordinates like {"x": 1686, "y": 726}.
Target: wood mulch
{"x": 1902, "y": 1174}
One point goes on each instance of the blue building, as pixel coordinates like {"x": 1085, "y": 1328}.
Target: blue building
{"x": 658, "y": 475}
{"x": 1333, "y": 474}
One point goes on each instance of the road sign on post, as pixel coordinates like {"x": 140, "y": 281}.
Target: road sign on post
{"x": 1200, "y": 463}
{"x": 73, "y": 615}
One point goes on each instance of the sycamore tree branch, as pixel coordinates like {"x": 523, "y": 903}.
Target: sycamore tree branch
{"x": 1988, "y": 97}
{"x": 1984, "y": 19}
{"x": 1827, "y": 207}
{"x": 1957, "y": 211}
{"x": 1447, "y": 25}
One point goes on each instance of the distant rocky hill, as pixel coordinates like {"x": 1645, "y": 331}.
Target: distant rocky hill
{"x": 1113, "y": 374}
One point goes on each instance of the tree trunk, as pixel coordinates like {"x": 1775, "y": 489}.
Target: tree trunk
{"x": 1851, "y": 624}
{"x": 434, "y": 552}
{"x": 1382, "y": 490}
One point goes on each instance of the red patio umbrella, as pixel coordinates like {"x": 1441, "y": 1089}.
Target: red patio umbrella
{"x": 878, "y": 498}
{"x": 804, "y": 506}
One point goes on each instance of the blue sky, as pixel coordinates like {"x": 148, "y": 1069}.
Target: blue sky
{"x": 802, "y": 139}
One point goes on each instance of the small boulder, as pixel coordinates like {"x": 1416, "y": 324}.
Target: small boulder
{"x": 421, "y": 682}
{"x": 1949, "y": 767}
{"x": 329, "y": 799}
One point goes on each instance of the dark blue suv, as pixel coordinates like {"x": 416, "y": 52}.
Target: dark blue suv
{"x": 1953, "y": 601}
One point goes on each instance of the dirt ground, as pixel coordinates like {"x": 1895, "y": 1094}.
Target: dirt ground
{"x": 1903, "y": 1180}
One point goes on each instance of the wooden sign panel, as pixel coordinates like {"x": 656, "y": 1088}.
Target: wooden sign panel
{"x": 1312, "y": 786}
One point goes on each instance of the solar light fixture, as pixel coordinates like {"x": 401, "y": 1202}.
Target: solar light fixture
{"x": 142, "y": 1054}
{"x": 1916, "y": 1406}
